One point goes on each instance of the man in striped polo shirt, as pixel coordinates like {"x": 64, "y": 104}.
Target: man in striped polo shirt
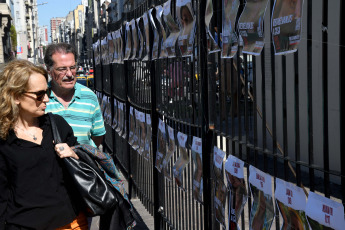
{"x": 73, "y": 101}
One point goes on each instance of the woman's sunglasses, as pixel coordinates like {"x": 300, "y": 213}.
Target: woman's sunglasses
{"x": 40, "y": 94}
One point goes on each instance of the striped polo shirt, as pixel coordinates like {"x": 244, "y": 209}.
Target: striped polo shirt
{"x": 83, "y": 114}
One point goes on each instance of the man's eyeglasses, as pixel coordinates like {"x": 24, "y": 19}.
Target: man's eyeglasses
{"x": 63, "y": 70}
{"x": 40, "y": 94}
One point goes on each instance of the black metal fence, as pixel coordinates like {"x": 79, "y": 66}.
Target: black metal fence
{"x": 281, "y": 114}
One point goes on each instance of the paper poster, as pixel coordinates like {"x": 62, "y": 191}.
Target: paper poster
{"x": 131, "y": 126}
{"x": 96, "y": 52}
{"x": 324, "y": 213}
{"x": 219, "y": 202}
{"x": 161, "y": 145}
{"x": 229, "y": 35}
{"x": 124, "y": 127}
{"x": 212, "y": 46}
{"x": 139, "y": 22}
{"x": 187, "y": 20}
{"x": 135, "y": 40}
{"x": 197, "y": 174}
{"x": 291, "y": 202}
{"x": 128, "y": 49}
{"x": 262, "y": 211}
{"x": 142, "y": 133}
{"x": 173, "y": 29}
{"x": 170, "y": 152}
{"x": 148, "y": 138}
{"x": 238, "y": 195}
{"x": 115, "y": 55}
{"x": 218, "y": 158}
{"x": 107, "y": 112}
{"x": 251, "y": 26}
{"x": 183, "y": 159}
{"x": 146, "y": 53}
{"x": 111, "y": 47}
{"x": 161, "y": 29}
{"x": 286, "y": 25}
{"x": 114, "y": 123}
{"x": 105, "y": 51}
{"x": 103, "y": 104}
{"x": 120, "y": 119}
{"x": 155, "y": 46}
{"x": 136, "y": 135}
{"x": 120, "y": 46}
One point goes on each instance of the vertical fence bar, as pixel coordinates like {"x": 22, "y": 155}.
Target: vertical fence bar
{"x": 342, "y": 94}
{"x": 297, "y": 121}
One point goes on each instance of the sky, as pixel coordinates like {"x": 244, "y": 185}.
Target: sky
{"x": 54, "y": 8}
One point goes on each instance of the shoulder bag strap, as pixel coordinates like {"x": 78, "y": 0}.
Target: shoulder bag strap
{"x": 56, "y": 134}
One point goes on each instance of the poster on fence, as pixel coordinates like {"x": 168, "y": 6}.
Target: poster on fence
{"x": 146, "y": 53}
{"x": 155, "y": 46}
{"x": 131, "y": 125}
{"x": 251, "y": 26}
{"x": 111, "y": 46}
{"x": 286, "y": 25}
{"x": 173, "y": 30}
{"x": 140, "y": 37}
{"x": 115, "y": 119}
{"x": 120, "y": 46}
{"x": 116, "y": 54}
{"x": 187, "y": 20}
{"x": 136, "y": 135}
{"x": 170, "y": 152}
{"x": 103, "y": 104}
{"x": 96, "y": 52}
{"x": 105, "y": 52}
{"x": 238, "y": 194}
{"x": 134, "y": 40}
{"x": 120, "y": 119}
{"x": 197, "y": 173}
{"x": 229, "y": 35}
{"x": 291, "y": 202}
{"x": 218, "y": 159}
{"x": 324, "y": 213}
{"x": 212, "y": 46}
{"x": 262, "y": 211}
{"x": 183, "y": 159}
{"x": 219, "y": 202}
{"x": 163, "y": 36}
{"x": 107, "y": 112}
{"x": 161, "y": 145}
{"x": 148, "y": 138}
{"x": 142, "y": 133}
{"x": 128, "y": 38}
{"x": 124, "y": 126}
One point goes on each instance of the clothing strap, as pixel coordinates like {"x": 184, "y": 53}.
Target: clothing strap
{"x": 56, "y": 134}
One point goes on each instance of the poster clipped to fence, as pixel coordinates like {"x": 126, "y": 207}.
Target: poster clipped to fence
{"x": 123, "y": 115}
{"x": 286, "y": 25}
{"x": 105, "y": 51}
{"x": 120, "y": 119}
{"x": 140, "y": 37}
{"x": 187, "y": 20}
{"x": 148, "y": 138}
{"x": 229, "y": 34}
{"x": 238, "y": 195}
{"x": 131, "y": 126}
{"x": 262, "y": 212}
{"x": 115, "y": 119}
{"x": 142, "y": 133}
{"x": 146, "y": 53}
{"x": 136, "y": 135}
{"x": 173, "y": 30}
{"x": 220, "y": 189}
{"x": 155, "y": 46}
{"x": 198, "y": 170}
{"x": 161, "y": 29}
{"x": 291, "y": 202}
{"x": 128, "y": 38}
{"x": 111, "y": 46}
{"x": 96, "y": 52}
{"x": 170, "y": 152}
{"x": 135, "y": 41}
{"x": 183, "y": 159}
{"x": 115, "y": 44}
{"x": 120, "y": 46}
{"x": 212, "y": 46}
{"x": 161, "y": 145}
{"x": 324, "y": 213}
{"x": 251, "y": 26}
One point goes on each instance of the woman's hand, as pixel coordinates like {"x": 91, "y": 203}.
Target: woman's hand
{"x": 63, "y": 150}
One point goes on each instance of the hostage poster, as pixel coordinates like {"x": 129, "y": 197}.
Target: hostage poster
{"x": 262, "y": 211}
{"x": 286, "y": 25}
{"x": 229, "y": 35}
{"x": 183, "y": 159}
{"x": 251, "y": 26}
{"x": 197, "y": 173}
{"x": 173, "y": 30}
{"x": 291, "y": 202}
{"x": 161, "y": 145}
{"x": 238, "y": 190}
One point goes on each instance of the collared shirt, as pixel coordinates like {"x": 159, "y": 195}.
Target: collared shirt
{"x": 83, "y": 114}
{"x": 35, "y": 190}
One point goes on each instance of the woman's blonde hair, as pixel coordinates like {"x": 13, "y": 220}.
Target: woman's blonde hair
{"x": 13, "y": 83}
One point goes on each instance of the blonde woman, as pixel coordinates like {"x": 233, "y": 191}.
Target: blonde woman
{"x": 35, "y": 192}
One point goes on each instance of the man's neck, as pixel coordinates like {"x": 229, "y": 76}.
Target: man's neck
{"x": 63, "y": 95}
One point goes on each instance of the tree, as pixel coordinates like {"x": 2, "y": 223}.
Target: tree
{"x": 13, "y": 34}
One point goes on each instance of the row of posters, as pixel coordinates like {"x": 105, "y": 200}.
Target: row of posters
{"x": 246, "y": 29}
{"x": 298, "y": 212}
